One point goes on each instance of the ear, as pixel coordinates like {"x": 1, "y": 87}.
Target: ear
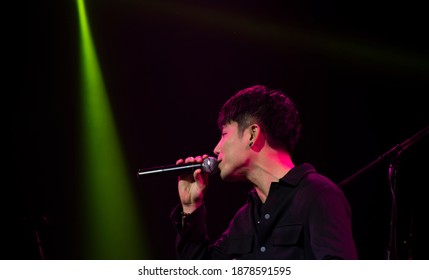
{"x": 255, "y": 135}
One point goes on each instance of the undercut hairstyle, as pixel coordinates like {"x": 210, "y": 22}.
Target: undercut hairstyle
{"x": 271, "y": 109}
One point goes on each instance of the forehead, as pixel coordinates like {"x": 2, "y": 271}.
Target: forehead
{"x": 230, "y": 126}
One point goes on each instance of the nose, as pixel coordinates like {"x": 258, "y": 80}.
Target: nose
{"x": 216, "y": 150}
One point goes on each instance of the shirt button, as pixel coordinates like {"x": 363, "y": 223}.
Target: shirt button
{"x": 263, "y": 249}
{"x": 267, "y": 216}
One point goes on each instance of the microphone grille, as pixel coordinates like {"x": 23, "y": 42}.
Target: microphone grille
{"x": 209, "y": 165}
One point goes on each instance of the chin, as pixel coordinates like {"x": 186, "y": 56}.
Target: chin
{"x": 225, "y": 176}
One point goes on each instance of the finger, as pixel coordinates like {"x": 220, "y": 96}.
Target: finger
{"x": 189, "y": 159}
{"x": 201, "y": 177}
{"x": 179, "y": 161}
{"x": 198, "y": 159}
{"x": 205, "y": 156}
{"x": 198, "y": 177}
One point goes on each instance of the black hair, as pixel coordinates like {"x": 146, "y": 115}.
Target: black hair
{"x": 272, "y": 109}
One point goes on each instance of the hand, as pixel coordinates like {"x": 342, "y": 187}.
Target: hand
{"x": 192, "y": 187}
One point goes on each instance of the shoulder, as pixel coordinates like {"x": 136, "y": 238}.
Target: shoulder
{"x": 319, "y": 189}
{"x": 305, "y": 175}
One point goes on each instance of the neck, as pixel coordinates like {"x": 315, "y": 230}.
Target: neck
{"x": 268, "y": 166}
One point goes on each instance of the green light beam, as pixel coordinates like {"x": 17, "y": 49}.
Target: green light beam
{"x": 112, "y": 229}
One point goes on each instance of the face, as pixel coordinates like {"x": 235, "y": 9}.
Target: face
{"x": 232, "y": 151}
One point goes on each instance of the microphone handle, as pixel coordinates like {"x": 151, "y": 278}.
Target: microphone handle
{"x": 170, "y": 169}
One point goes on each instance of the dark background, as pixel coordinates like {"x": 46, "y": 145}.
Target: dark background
{"x": 358, "y": 71}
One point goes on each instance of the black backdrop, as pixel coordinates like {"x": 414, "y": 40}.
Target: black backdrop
{"x": 358, "y": 72}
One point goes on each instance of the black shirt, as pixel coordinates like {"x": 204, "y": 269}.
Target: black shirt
{"x": 305, "y": 216}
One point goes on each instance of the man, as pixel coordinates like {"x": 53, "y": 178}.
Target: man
{"x": 292, "y": 212}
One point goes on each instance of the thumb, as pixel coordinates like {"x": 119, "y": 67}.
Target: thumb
{"x": 200, "y": 178}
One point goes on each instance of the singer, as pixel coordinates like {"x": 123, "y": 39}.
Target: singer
{"x": 292, "y": 212}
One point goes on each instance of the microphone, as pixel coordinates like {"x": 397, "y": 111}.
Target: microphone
{"x": 209, "y": 165}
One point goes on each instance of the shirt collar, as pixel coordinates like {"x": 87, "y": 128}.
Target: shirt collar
{"x": 295, "y": 175}
{"x": 292, "y": 178}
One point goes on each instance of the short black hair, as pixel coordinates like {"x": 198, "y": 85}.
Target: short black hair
{"x": 272, "y": 109}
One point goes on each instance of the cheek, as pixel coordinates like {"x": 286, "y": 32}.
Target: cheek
{"x": 228, "y": 147}
{"x": 233, "y": 151}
